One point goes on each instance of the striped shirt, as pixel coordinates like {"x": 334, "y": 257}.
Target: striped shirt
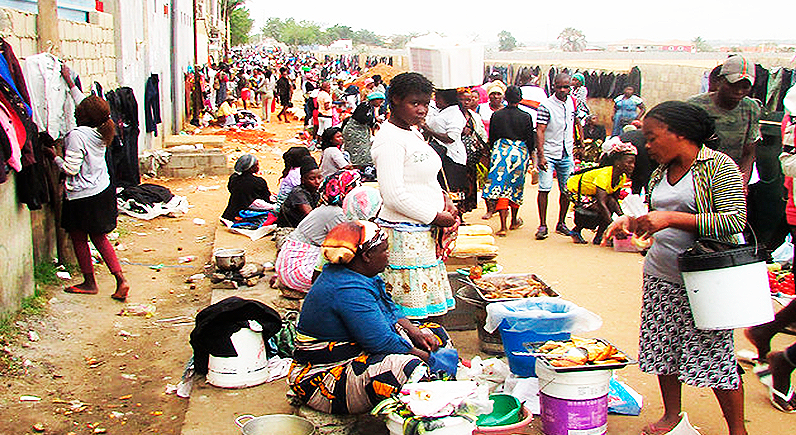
{"x": 720, "y": 200}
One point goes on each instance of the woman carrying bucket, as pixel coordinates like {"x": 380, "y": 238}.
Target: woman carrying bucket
{"x": 695, "y": 192}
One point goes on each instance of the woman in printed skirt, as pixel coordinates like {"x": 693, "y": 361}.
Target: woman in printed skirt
{"x": 511, "y": 137}
{"x": 414, "y": 203}
{"x": 89, "y": 208}
{"x": 695, "y": 192}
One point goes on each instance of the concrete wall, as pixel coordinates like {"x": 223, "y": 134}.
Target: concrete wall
{"x": 88, "y": 48}
{"x": 16, "y": 250}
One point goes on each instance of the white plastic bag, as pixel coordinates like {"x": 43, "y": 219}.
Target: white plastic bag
{"x": 634, "y": 206}
{"x": 542, "y": 315}
{"x": 784, "y": 254}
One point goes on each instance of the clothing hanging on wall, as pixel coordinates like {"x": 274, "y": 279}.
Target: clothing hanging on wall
{"x": 122, "y": 155}
{"x": 152, "y": 104}
{"x": 52, "y": 105}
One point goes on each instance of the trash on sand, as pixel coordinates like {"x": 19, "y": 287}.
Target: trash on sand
{"x": 94, "y": 362}
{"x": 200, "y": 239}
{"x": 29, "y": 399}
{"x": 113, "y": 236}
{"x": 121, "y": 247}
{"x": 129, "y": 376}
{"x": 157, "y": 266}
{"x": 146, "y": 310}
{"x": 123, "y": 333}
{"x": 63, "y": 275}
{"x": 33, "y": 336}
{"x": 199, "y": 221}
{"x": 38, "y": 427}
{"x": 187, "y": 259}
{"x": 195, "y": 277}
{"x": 115, "y": 414}
{"x": 171, "y": 389}
{"x": 126, "y": 397}
{"x": 156, "y": 413}
{"x": 206, "y": 188}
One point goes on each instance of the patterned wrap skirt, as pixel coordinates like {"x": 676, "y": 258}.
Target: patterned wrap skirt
{"x": 507, "y": 167}
{"x": 295, "y": 264}
{"x": 338, "y": 378}
{"x": 415, "y": 278}
{"x": 356, "y": 139}
{"x": 671, "y": 344}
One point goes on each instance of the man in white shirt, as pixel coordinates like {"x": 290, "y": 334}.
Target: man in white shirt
{"x": 532, "y": 95}
{"x": 324, "y": 101}
{"x": 555, "y": 138}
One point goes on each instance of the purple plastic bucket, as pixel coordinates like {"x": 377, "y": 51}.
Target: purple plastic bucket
{"x": 564, "y": 416}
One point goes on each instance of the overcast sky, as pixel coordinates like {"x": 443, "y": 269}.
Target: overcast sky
{"x": 544, "y": 20}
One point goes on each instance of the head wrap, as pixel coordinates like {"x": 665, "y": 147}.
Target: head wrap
{"x": 629, "y": 127}
{"x": 347, "y": 239}
{"x": 244, "y": 163}
{"x": 619, "y": 147}
{"x": 579, "y": 77}
{"x": 369, "y": 81}
{"x": 377, "y": 95}
{"x": 336, "y": 186}
{"x": 363, "y": 202}
{"x": 498, "y": 87}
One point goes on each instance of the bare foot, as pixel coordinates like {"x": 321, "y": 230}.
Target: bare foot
{"x": 85, "y": 288}
{"x": 122, "y": 289}
{"x": 273, "y": 281}
{"x": 487, "y": 216}
{"x": 502, "y": 232}
{"x": 662, "y": 426}
{"x": 755, "y": 336}
{"x": 516, "y": 224}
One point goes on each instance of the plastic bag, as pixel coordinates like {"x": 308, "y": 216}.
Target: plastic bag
{"x": 622, "y": 399}
{"x": 491, "y": 372}
{"x": 633, "y": 206}
{"x": 444, "y": 360}
{"x": 542, "y": 315}
{"x": 784, "y": 254}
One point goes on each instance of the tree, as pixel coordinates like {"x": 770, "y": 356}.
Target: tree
{"x": 301, "y": 33}
{"x": 339, "y": 32}
{"x": 506, "y": 42}
{"x": 701, "y": 45}
{"x": 273, "y": 28}
{"x": 227, "y": 6}
{"x": 239, "y": 26}
{"x": 367, "y": 37}
{"x": 572, "y": 39}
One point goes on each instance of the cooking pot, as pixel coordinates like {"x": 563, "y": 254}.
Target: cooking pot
{"x": 230, "y": 259}
{"x": 276, "y": 424}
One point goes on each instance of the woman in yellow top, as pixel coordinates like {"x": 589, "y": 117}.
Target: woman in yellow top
{"x": 603, "y": 185}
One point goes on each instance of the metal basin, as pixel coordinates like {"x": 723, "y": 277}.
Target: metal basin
{"x": 276, "y": 424}
{"x": 230, "y": 259}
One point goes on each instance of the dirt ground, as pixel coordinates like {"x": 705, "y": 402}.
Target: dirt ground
{"x": 97, "y": 372}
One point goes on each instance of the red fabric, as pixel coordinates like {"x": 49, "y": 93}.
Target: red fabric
{"x": 504, "y": 204}
{"x": 83, "y": 253}
{"x": 790, "y": 209}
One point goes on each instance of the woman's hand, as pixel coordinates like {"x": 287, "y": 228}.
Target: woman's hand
{"x": 427, "y": 342}
{"x": 653, "y": 222}
{"x": 620, "y": 228}
{"x": 444, "y": 219}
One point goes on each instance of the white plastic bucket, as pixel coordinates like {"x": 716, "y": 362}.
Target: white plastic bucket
{"x": 248, "y": 369}
{"x": 582, "y": 385}
{"x": 453, "y": 426}
{"x": 573, "y": 402}
{"x": 728, "y": 297}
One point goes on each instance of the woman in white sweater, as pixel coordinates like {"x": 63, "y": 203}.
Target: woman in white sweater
{"x": 89, "y": 209}
{"x": 407, "y": 169}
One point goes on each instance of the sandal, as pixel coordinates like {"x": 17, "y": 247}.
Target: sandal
{"x": 787, "y": 405}
{"x": 654, "y": 429}
{"x": 517, "y": 225}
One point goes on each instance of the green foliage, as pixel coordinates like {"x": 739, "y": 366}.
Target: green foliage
{"x": 701, "y": 45}
{"x": 506, "y": 41}
{"x": 240, "y": 24}
{"x": 294, "y": 33}
{"x": 44, "y": 273}
{"x": 572, "y": 39}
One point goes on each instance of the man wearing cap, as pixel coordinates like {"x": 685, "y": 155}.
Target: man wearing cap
{"x": 736, "y": 115}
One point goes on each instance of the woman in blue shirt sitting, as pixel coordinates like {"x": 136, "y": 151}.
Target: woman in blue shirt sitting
{"x": 353, "y": 347}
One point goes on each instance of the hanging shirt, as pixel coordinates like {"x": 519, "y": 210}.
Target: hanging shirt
{"x": 53, "y": 107}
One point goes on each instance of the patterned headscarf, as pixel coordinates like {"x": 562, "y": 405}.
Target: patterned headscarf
{"x": 620, "y": 147}
{"x": 347, "y": 239}
{"x": 244, "y": 163}
{"x": 362, "y": 203}
{"x": 580, "y": 78}
{"x": 336, "y": 186}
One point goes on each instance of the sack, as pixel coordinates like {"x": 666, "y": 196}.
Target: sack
{"x": 587, "y": 216}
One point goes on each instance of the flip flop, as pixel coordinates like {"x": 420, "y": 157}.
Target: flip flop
{"x": 75, "y": 290}
{"x": 747, "y": 356}
{"x": 763, "y": 373}
{"x": 518, "y": 225}
{"x": 773, "y": 394}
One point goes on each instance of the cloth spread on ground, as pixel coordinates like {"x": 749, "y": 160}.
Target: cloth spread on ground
{"x": 216, "y": 324}
{"x": 148, "y": 201}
